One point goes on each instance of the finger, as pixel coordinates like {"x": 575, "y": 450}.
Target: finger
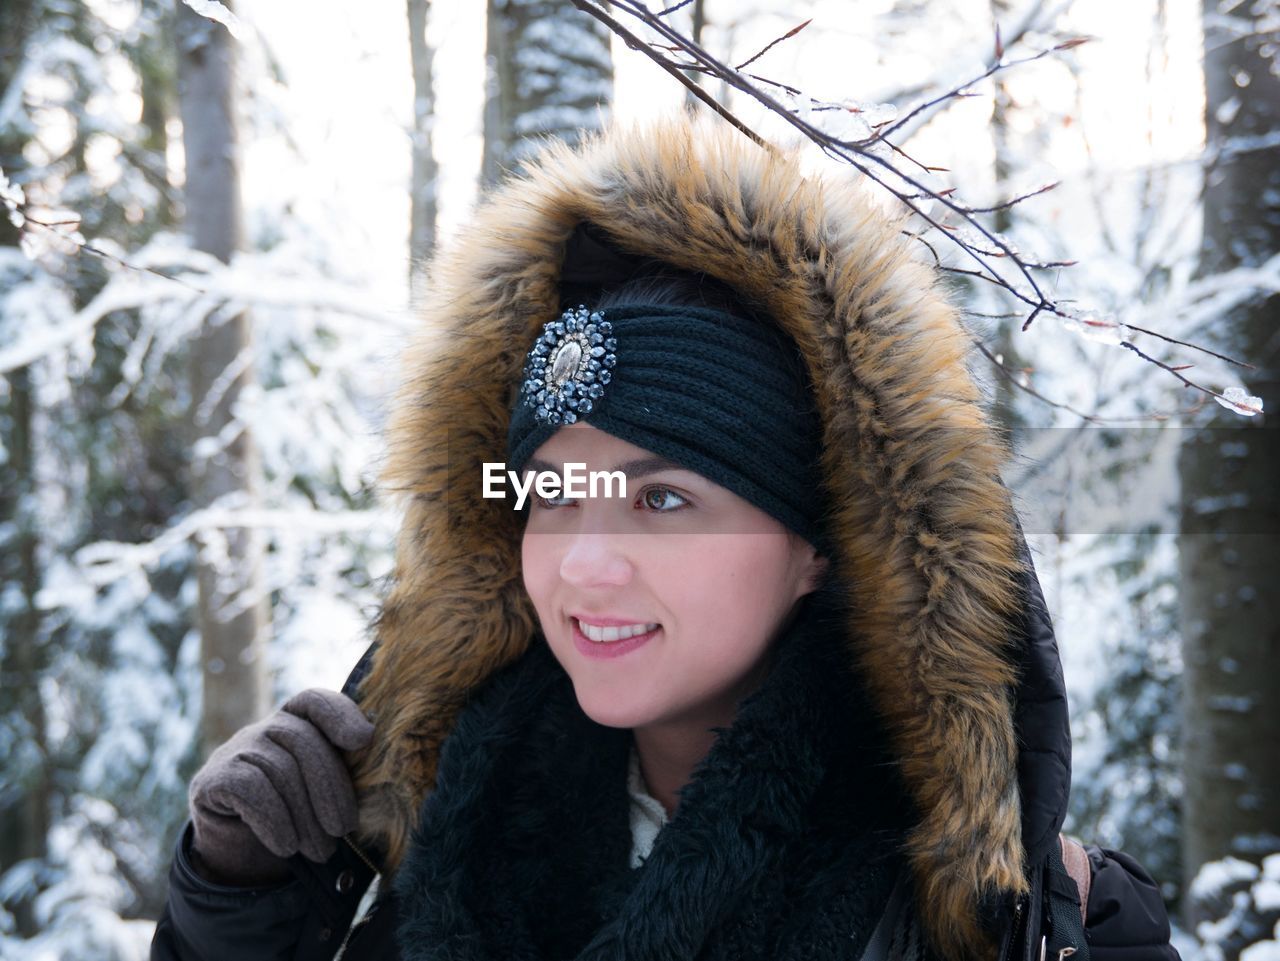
{"x": 325, "y": 775}
{"x": 336, "y": 715}
{"x": 281, "y": 769}
{"x": 250, "y": 796}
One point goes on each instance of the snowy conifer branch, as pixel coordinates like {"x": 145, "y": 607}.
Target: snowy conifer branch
{"x": 862, "y": 143}
{"x": 61, "y": 234}
{"x": 191, "y": 277}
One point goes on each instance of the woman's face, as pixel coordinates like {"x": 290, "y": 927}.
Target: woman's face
{"x": 706, "y": 578}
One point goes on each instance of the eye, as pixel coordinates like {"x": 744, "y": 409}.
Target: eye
{"x": 551, "y": 503}
{"x": 662, "y": 500}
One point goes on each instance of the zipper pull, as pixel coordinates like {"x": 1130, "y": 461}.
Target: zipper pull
{"x": 1019, "y": 909}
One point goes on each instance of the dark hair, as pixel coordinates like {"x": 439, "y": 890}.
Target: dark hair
{"x": 678, "y": 288}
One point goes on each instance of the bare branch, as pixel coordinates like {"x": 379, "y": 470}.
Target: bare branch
{"x": 786, "y": 36}
{"x": 880, "y": 159}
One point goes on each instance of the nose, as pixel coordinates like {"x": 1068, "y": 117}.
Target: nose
{"x": 595, "y": 559}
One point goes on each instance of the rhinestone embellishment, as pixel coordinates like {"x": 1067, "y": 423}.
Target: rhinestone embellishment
{"x": 569, "y": 366}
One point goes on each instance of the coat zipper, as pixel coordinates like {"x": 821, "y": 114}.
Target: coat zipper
{"x": 1019, "y": 909}
{"x": 364, "y": 919}
{"x": 360, "y": 854}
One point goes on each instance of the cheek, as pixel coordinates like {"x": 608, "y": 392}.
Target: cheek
{"x": 730, "y": 581}
{"x": 538, "y": 566}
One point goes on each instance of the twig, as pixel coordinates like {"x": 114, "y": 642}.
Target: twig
{"x": 635, "y": 43}
{"x": 84, "y": 245}
{"x": 865, "y": 157}
{"x": 786, "y": 36}
{"x": 1177, "y": 372}
{"x": 1016, "y": 200}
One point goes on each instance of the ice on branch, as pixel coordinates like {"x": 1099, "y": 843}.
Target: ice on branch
{"x": 847, "y": 121}
{"x": 1101, "y": 329}
{"x": 875, "y": 114}
{"x": 801, "y": 105}
{"x": 845, "y": 125}
{"x": 852, "y": 121}
{"x": 1241, "y": 401}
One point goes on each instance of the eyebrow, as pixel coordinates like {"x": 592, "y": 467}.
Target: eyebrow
{"x": 640, "y": 467}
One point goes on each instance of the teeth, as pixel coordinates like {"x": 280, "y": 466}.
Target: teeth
{"x": 606, "y": 634}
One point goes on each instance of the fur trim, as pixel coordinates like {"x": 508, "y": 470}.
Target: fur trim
{"x": 927, "y": 543}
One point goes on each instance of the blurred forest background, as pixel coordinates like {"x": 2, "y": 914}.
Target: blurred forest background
{"x": 209, "y": 231}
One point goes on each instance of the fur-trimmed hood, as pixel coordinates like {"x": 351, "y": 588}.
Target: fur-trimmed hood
{"x": 947, "y": 626}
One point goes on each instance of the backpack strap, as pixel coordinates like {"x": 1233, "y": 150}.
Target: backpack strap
{"x": 1062, "y": 926}
{"x": 1077, "y": 864}
{"x": 887, "y": 942}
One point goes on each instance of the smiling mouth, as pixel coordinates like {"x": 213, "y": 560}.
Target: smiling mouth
{"x": 607, "y": 635}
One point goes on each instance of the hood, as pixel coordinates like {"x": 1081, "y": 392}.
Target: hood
{"x": 945, "y": 626}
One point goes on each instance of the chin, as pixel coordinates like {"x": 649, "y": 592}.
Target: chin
{"x": 609, "y": 712}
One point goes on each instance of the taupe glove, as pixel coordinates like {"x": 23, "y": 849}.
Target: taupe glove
{"x": 276, "y": 788}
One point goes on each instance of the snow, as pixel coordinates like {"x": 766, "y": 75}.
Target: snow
{"x": 1262, "y": 951}
{"x": 219, "y": 13}
{"x": 13, "y": 197}
{"x": 321, "y": 281}
{"x": 1216, "y": 877}
{"x": 1266, "y": 894}
{"x": 1231, "y": 704}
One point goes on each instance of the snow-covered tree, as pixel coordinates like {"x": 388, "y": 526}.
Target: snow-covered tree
{"x": 1239, "y": 902}
{"x": 425, "y": 172}
{"x": 92, "y": 708}
{"x": 234, "y": 614}
{"x": 100, "y": 697}
{"x": 1229, "y": 470}
{"x": 550, "y": 74}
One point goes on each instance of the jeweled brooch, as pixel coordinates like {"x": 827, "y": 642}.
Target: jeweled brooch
{"x": 569, "y": 366}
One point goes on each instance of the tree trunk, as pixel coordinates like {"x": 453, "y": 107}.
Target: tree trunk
{"x": 1003, "y": 346}
{"x": 25, "y": 814}
{"x": 233, "y": 614}
{"x": 1229, "y": 472}
{"x": 26, "y": 789}
{"x": 550, "y": 72}
{"x": 698, "y": 13}
{"x": 153, "y": 59}
{"x": 422, "y": 188}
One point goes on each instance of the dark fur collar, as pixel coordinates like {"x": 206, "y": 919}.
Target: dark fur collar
{"x": 784, "y": 844}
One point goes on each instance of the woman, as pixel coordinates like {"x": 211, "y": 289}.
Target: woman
{"x": 795, "y": 696}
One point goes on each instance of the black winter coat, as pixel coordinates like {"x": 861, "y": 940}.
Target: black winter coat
{"x": 813, "y": 889}
{"x": 912, "y": 735}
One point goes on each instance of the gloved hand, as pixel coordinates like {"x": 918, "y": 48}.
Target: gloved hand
{"x": 276, "y": 788}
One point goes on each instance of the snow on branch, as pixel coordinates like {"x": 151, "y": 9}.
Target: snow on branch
{"x": 104, "y": 562}
{"x": 859, "y": 135}
{"x": 172, "y": 273}
{"x": 218, "y": 12}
